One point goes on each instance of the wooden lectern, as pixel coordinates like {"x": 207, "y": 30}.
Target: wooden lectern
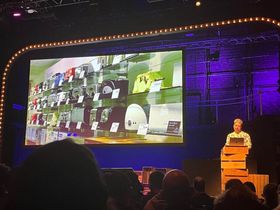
{"x": 233, "y": 166}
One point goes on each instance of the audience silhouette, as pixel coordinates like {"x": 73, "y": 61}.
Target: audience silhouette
{"x": 270, "y": 196}
{"x": 176, "y": 193}
{"x": 201, "y": 200}
{"x": 155, "y": 184}
{"x": 237, "y": 196}
{"x": 250, "y": 186}
{"x": 59, "y": 175}
{"x": 64, "y": 175}
{"x": 120, "y": 191}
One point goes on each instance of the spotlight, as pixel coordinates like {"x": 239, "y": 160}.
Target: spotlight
{"x": 197, "y": 3}
{"x": 189, "y": 35}
{"x": 16, "y": 14}
{"x": 31, "y": 11}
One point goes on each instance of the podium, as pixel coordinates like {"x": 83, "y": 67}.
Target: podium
{"x": 234, "y": 166}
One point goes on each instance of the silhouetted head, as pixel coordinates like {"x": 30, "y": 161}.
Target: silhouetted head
{"x": 59, "y": 175}
{"x": 199, "y": 184}
{"x": 176, "y": 187}
{"x": 118, "y": 185}
{"x": 232, "y": 183}
{"x": 238, "y": 197}
{"x": 120, "y": 190}
{"x": 135, "y": 183}
{"x": 250, "y": 186}
{"x": 270, "y": 195}
{"x": 155, "y": 180}
{"x": 175, "y": 179}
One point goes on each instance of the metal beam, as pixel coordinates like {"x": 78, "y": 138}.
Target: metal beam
{"x": 40, "y": 4}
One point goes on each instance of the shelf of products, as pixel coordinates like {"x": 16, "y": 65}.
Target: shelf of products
{"x": 109, "y": 100}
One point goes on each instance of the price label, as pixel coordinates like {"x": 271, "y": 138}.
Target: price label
{"x": 58, "y": 103}
{"x": 40, "y": 90}
{"x": 45, "y": 123}
{"x": 79, "y": 125}
{"x": 100, "y": 79}
{"x": 81, "y": 99}
{"x": 82, "y": 74}
{"x": 58, "y": 124}
{"x": 94, "y": 126}
{"x": 52, "y": 104}
{"x": 67, "y": 101}
{"x": 70, "y": 78}
{"x": 96, "y": 96}
{"x": 29, "y": 108}
{"x": 35, "y": 107}
{"x": 60, "y": 82}
{"x": 37, "y": 122}
{"x": 85, "y": 82}
{"x": 116, "y": 93}
{"x": 53, "y": 85}
{"x": 38, "y": 106}
{"x": 67, "y": 124}
{"x": 173, "y": 127}
{"x": 45, "y": 105}
{"x": 142, "y": 129}
{"x": 114, "y": 127}
{"x": 33, "y": 122}
{"x": 155, "y": 87}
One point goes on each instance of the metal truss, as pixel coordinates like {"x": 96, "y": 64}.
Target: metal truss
{"x": 41, "y": 5}
{"x": 179, "y": 42}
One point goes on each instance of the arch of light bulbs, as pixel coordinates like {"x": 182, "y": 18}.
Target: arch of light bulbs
{"x": 113, "y": 38}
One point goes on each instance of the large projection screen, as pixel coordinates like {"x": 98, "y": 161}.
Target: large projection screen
{"x": 108, "y": 99}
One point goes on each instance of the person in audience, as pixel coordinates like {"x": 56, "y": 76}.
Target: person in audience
{"x": 176, "y": 193}
{"x": 238, "y": 197}
{"x": 59, "y": 175}
{"x": 232, "y": 183}
{"x": 277, "y": 208}
{"x": 136, "y": 186}
{"x": 250, "y": 186}
{"x": 155, "y": 184}
{"x": 120, "y": 192}
{"x": 201, "y": 200}
{"x": 270, "y": 196}
{"x": 278, "y": 195}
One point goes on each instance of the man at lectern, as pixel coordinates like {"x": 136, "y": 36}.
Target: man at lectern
{"x": 238, "y": 133}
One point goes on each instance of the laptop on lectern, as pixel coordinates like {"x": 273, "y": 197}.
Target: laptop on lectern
{"x": 236, "y": 142}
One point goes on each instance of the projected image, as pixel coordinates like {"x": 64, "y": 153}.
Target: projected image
{"x": 113, "y": 99}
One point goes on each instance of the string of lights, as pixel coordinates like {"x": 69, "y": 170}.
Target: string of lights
{"x": 132, "y": 35}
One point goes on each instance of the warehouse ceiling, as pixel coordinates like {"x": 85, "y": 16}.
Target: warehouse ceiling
{"x": 53, "y": 20}
{"x": 69, "y": 13}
